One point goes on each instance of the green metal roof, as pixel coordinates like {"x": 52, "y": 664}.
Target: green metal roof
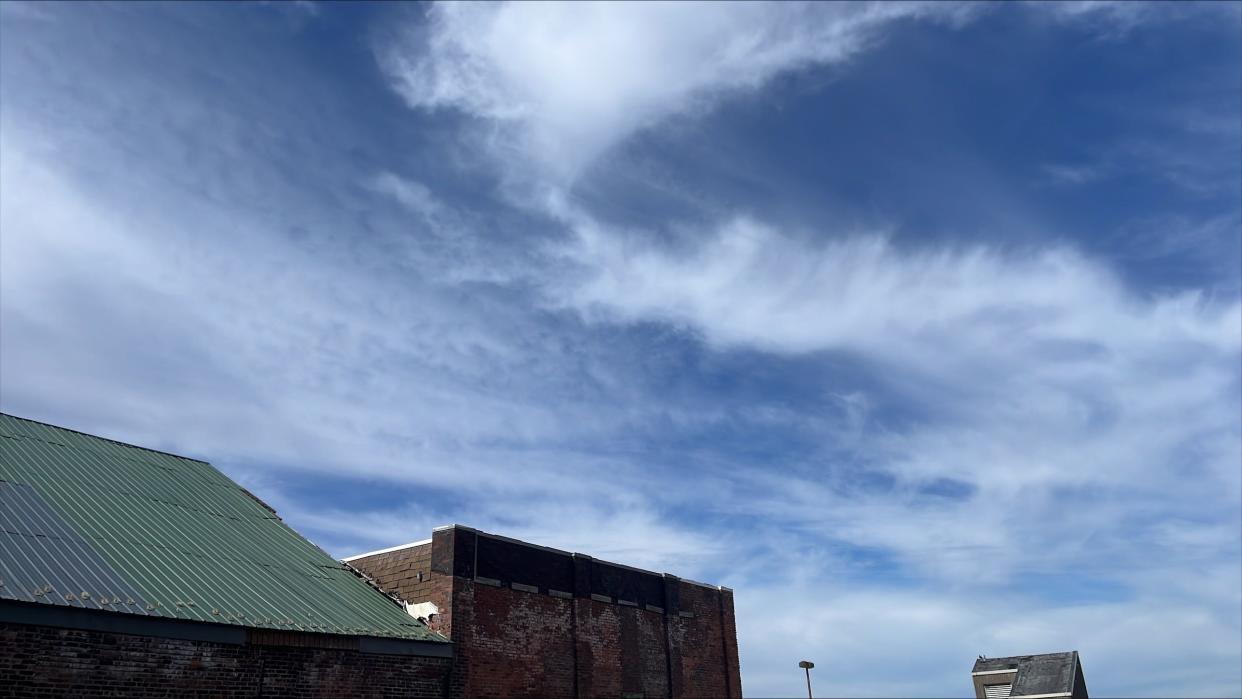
{"x": 92, "y": 523}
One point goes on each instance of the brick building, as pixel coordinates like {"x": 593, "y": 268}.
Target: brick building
{"x": 531, "y": 621}
{"x": 130, "y": 572}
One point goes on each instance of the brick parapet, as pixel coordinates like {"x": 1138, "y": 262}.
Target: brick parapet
{"x": 531, "y": 621}
{"x": 404, "y": 572}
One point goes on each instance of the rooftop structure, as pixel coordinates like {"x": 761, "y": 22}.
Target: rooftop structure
{"x": 1047, "y": 676}
{"x": 532, "y": 621}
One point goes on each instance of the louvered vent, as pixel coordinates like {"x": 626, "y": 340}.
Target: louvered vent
{"x": 997, "y": 691}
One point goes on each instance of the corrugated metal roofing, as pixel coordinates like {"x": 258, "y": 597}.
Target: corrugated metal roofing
{"x": 92, "y": 523}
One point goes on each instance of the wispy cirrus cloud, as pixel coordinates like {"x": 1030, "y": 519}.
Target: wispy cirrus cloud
{"x": 1058, "y": 410}
{"x": 876, "y": 436}
{"x": 1032, "y": 399}
{"x": 563, "y": 83}
{"x": 556, "y": 85}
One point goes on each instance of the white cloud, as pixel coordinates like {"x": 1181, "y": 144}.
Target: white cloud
{"x": 1097, "y": 428}
{"x": 413, "y": 195}
{"x": 296, "y": 329}
{"x": 555, "y": 85}
{"x": 566, "y": 81}
{"x": 1040, "y": 376}
{"x": 1073, "y": 174}
{"x": 623, "y": 528}
{"x": 185, "y": 325}
{"x": 1116, "y": 17}
{"x": 747, "y": 283}
{"x": 1113, "y": 19}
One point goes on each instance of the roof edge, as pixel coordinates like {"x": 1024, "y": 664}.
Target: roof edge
{"x": 118, "y": 442}
{"x": 34, "y": 614}
{"x": 390, "y": 549}
{"x": 502, "y": 537}
{"x": 106, "y": 439}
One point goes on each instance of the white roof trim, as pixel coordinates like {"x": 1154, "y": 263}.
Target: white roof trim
{"x": 992, "y": 672}
{"x": 347, "y": 559}
{"x": 1057, "y": 695}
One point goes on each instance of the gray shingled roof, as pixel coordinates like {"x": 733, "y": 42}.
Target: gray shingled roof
{"x": 1049, "y": 673}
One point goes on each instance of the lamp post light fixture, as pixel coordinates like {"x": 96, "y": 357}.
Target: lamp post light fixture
{"x": 807, "y": 665}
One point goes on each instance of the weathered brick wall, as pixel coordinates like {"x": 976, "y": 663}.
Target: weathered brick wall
{"x": 728, "y": 627}
{"x": 40, "y": 661}
{"x": 519, "y": 645}
{"x": 649, "y": 657}
{"x": 698, "y": 632}
{"x": 599, "y": 649}
{"x": 543, "y": 629}
{"x": 404, "y": 572}
{"x": 621, "y": 651}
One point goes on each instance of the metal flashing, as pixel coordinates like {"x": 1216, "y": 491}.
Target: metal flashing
{"x": 709, "y": 586}
{"x": 511, "y": 540}
{"x": 36, "y": 614}
{"x": 397, "y": 646}
{"x": 390, "y": 549}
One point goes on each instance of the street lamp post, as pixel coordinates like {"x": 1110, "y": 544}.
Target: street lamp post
{"x": 807, "y": 665}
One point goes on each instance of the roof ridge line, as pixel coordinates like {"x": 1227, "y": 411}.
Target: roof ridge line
{"x": 106, "y": 439}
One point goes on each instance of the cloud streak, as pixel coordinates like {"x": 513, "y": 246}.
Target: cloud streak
{"x": 565, "y": 82}
{"x": 1061, "y": 409}
{"x": 877, "y": 437}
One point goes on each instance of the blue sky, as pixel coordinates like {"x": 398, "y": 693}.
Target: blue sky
{"x": 918, "y": 325}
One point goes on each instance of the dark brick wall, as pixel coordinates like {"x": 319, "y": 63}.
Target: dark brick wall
{"x": 529, "y": 624}
{"x": 40, "y": 661}
{"x": 728, "y": 626}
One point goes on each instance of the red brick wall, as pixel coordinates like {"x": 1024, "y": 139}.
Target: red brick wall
{"x": 698, "y": 632}
{"x": 520, "y": 644}
{"x": 40, "y": 661}
{"x": 599, "y": 650}
{"x": 620, "y": 650}
{"x": 650, "y": 661}
{"x": 516, "y": 643}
